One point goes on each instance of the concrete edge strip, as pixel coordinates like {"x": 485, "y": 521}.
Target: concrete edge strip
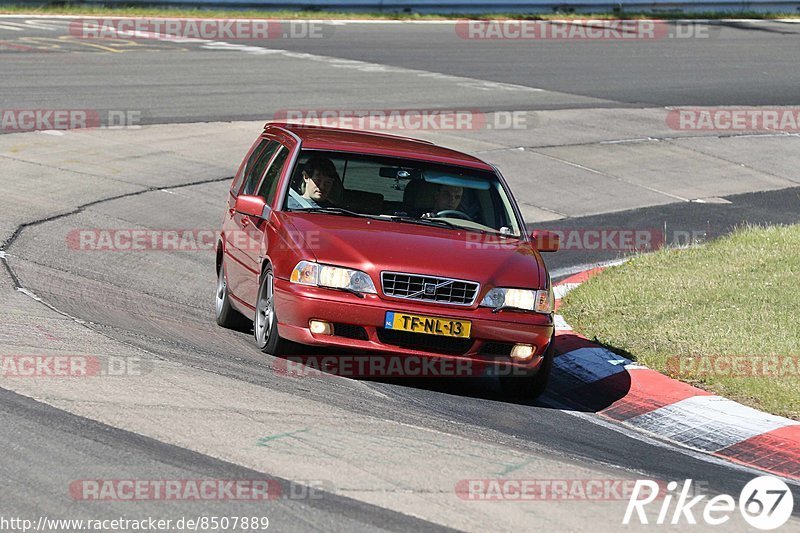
{"x": 619, "y": 389}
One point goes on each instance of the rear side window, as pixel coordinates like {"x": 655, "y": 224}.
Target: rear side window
{"x": 273, "y": 175}
{"x": 248, "y": 164}
{"x": 256, "y": 170}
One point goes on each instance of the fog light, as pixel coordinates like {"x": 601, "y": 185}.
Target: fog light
{"x": 320, "y": 327}
{"x": 522, "y": 352}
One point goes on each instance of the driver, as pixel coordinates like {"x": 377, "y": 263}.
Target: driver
{"x": 447, "y": 198}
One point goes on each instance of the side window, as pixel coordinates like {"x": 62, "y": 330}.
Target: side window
{"x": 256, "y": 170}
{"x": 273, "y": 175}
{"x": 252, "y": 155}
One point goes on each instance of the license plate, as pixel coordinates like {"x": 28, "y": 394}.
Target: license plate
{"x": 431, "y": 325}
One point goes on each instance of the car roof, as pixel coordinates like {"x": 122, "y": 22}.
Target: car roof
{"x": 364, "y": 142}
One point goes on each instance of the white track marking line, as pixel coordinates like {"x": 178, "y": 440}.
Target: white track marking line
{"x": 49, "y": 25}
{"x": 365, "y": 66}
{"x": 568, "y": 271}
{"x": 337, "y": 62}
{"x": 560, "y": 323}
{"x": 561, "y": 290}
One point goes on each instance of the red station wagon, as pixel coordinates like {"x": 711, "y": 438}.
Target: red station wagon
{"x": 376, "y": 243}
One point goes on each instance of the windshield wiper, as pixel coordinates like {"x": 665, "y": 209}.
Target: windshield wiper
{"x": 428, "y": 222}
{"x": 445, "y": 224}
{"x": 332, "y": 210}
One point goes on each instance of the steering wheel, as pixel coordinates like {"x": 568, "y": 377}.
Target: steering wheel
{"x": 454, "y": 213}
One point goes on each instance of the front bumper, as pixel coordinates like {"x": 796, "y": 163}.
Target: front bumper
{"x": 296, "y": 304}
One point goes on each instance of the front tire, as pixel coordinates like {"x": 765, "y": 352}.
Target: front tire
{"x": 227, "y": 316}
{"x": 530, "y": 387}
{"x": 265, "y": 323}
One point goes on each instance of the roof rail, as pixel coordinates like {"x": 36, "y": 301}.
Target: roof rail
{"x": 287, "y": 126}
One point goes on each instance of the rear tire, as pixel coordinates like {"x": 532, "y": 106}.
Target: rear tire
{"x": 265, "y": 322}
{"x": 227, "y": 316}
{"x": 530, "y": 387}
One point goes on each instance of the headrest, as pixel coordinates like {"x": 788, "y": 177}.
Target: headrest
{"x": 363, "y": 201}
{"x": 419, "y": 194}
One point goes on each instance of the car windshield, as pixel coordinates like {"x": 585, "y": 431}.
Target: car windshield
{"x": 403, "y": 190}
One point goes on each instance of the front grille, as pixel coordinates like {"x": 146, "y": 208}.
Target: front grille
{"x": 421, "y": 341}
{"x": 429, "y": 288}
{"x": 350, "y": 331}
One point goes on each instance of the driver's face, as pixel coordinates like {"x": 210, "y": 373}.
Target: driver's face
{"x": 319, "y": 186}
{"x": 447, "y": 197}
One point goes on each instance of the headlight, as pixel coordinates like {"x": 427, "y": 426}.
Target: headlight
{"x": 527, "y": 300}
{"x": 305, "y": 273}
{"x": 310, "y": 273}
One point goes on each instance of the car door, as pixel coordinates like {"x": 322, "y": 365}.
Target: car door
{"x": 257, "y": 246}
{"x": 238, "y": 226}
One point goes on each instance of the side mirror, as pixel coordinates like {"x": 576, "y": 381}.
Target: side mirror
{"x": 255, "y": 206}
{"x": 545, "y": 241}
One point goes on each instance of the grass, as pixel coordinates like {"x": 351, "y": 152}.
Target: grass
{"x": 678, "y": 310}
{"x": 127, "y": 11}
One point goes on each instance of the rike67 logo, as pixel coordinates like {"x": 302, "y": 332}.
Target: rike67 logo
{"x": 765, "y": 503}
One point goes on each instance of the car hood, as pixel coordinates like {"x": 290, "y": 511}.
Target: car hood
{"x": 375, "y": 245}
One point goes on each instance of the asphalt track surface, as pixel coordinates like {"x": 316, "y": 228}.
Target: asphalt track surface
{"x": 164, "y": 304}
{"x": 738, "y": 63}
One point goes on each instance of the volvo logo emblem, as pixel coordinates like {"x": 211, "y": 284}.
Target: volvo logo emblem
{"x": 430, "y": 288}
